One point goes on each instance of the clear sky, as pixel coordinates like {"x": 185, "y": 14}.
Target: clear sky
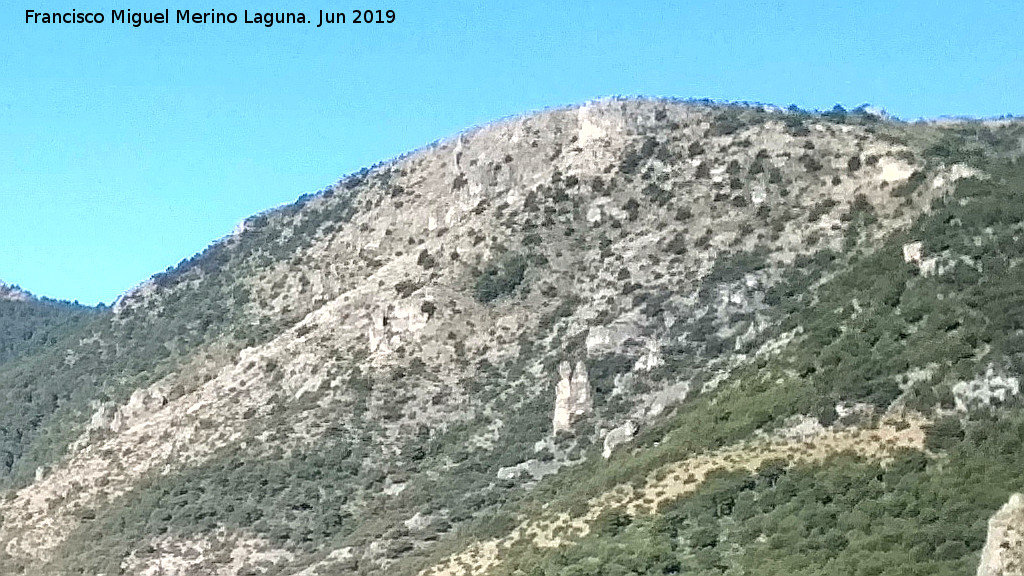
{"x": 124, "y": 150}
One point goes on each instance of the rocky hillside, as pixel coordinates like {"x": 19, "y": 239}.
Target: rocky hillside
{"x": 630, "y": 337}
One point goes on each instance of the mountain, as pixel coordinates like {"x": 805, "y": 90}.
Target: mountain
{"x": 629, "y": 337}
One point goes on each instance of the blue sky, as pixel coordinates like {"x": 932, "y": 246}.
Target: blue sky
{"x": 124, "y": 150}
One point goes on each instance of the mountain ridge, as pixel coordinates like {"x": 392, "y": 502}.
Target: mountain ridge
{"x": 487, "y": 312}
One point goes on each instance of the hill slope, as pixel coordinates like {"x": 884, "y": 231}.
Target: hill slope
{"x": 27, "y": 323}
{"x": 634, "y": 336}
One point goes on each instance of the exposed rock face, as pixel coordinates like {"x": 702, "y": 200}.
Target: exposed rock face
{"x": 801, "y": 428}
{"x": 230, "y": 552}
{"x": 985, "y": 390}
{"x": 397, "y": 323}
{"x": 954, "y": 173}
{"x": 895, "y": 169}
{"x": 1003, "y": 554}
{"x": 142, "y": 403}
{"x": 572, "y": 395}
{"x": 8, "y": 292}
{"x": 617, "y": 436}
{"x": 912, "y": 252}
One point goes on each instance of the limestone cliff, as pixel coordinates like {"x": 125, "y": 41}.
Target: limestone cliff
{"x": 572, "y": 395}
{"x": 1003, "y": 554}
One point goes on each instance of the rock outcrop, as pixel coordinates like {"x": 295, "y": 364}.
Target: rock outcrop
{"x": 9, "y": 292}
{"x": 990, "y": 389}
{"x": 912, "y": 252}
{"x": 1003, "y": 554}
{"x": 617, "y": 436}
{"x": 572, "y": 395}
{"x": 141, "y": 404}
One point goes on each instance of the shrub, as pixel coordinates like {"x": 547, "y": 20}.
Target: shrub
{"x": 726, "y": 123}
{"x": 703, "y": 170}
{"x": 677, "y": 244}
{"x": 426, "y": 260}
{"x": 810, "y": 163}
{"x": 910, "y": 186}
{"x": 944, "y": 434}
{"x": 501, "y": 278}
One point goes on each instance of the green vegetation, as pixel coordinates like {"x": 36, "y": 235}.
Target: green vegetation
{"x": 352, "y": 460}
{"x": 27, "y": 326}
{"x": 32, "y": 329}
{"x": 500, "y": 278}
{"x": 843, "y": 516}
{"x": 861, "y": 332}
{"x": 324, "y": 496}
{"x": 47, "y": 392}
{"x": 48, "y": 395}
{"x": 881, "y": 316}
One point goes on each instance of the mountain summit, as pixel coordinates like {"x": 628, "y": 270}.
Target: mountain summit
{"x": 628, "y": 337}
